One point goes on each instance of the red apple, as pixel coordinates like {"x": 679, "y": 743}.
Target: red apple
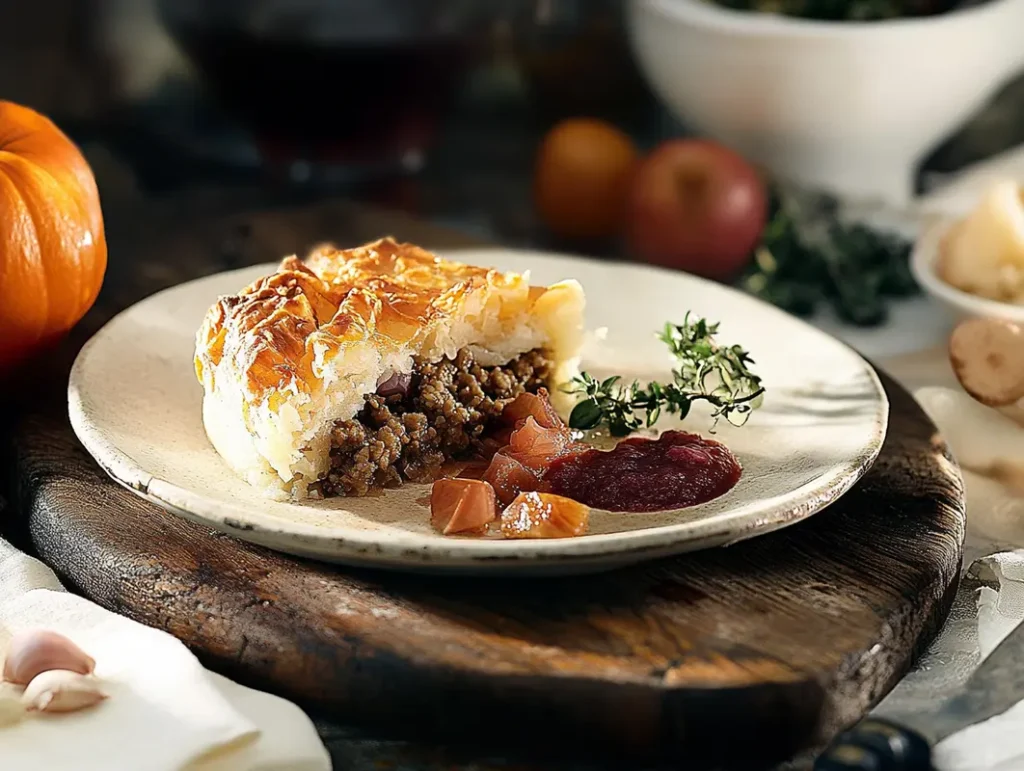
{"x": 696, "y": 206}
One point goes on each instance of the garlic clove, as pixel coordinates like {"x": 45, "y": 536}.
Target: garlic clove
{"x": 39, "y": 650}
{"x": 58, "y": 690}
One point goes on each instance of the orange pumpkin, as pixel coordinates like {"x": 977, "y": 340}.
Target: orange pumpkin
{"x": 53, "y": 251}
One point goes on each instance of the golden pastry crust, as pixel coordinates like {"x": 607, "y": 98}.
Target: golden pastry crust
{"x": 300, "y": 348}
{"x": 384, "y": 290}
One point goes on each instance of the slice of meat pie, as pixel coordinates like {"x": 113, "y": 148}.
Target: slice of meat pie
{"x": 360, "y": 369}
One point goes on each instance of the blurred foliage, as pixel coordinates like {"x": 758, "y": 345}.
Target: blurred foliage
{"x": 808, "y": 257}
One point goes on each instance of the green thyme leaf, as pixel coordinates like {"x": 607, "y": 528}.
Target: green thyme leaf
{"x": 705, "y": 371}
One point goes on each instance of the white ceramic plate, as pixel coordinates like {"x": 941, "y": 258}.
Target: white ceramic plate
{"x": 135, "y": 405}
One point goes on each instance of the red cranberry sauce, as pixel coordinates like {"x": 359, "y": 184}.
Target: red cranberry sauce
{"x": 676, "y": 470}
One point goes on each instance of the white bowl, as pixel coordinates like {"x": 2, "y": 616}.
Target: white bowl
{"x": 846, "y": 107}
{"x": 924, "y": 261}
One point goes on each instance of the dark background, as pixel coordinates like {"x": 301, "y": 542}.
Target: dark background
{"x": 110, "y": 74}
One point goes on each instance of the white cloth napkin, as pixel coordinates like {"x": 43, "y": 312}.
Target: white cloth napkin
{"x": 990, "y": 602}
{"x": 165, "y": 712}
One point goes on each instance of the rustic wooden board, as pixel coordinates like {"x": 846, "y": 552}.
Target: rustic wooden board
{"x": 739, "y": 656}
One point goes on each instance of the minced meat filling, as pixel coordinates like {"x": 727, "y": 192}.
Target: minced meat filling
{"x": 444, "y": 415}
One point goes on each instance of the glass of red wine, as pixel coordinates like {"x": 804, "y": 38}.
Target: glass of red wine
{"x": 355, "y": 86}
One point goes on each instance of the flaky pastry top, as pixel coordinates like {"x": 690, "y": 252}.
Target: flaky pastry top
{"x": 283, "y": 324}
{"x": 301, "y": 347}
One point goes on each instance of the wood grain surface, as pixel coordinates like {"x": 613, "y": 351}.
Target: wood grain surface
{"x": 736, "y": 657}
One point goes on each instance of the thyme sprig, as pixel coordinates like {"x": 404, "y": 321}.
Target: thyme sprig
{"x": 706, "y": 371}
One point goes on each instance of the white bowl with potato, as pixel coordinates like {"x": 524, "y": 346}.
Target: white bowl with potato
{"x": 974, "y": 265}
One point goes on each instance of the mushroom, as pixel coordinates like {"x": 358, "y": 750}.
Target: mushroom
{"x": 987, "y": 356}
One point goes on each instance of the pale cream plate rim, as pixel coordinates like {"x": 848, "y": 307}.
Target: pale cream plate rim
{"x": 592, "y": 552}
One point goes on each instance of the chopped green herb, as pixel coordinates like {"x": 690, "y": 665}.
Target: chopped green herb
{"x": 808, "y": 256}
{"x": 706, "y": 371}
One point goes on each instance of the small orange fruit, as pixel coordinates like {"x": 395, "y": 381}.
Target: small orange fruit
{"x": 582, "y": 178}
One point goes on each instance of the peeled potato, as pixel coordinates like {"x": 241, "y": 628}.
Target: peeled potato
{"x": 984, "y": 253}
